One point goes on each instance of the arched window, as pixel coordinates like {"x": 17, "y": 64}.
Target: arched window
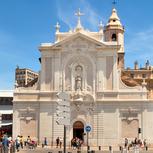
{"x": 114, "y": 37}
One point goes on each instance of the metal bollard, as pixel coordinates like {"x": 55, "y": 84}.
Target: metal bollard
{"x": 146, "y": 148}
{"x": 88, "y": 147}
{"x": 110, "y": 149}
{"x": 128, "y": 148}
{"x": 92, "y": 151}
{"x": 99, "y": 147}
{"x": 121, "y": 149}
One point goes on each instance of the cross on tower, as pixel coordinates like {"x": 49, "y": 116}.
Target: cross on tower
{"x": 114, "y": 3}
{"x": 79, "y": 14}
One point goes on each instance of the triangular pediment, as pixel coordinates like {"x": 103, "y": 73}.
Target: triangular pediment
{"x": 80, "y": 40}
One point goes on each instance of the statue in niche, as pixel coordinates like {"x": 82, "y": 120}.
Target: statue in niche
{"x": 78, "y": 70}
{"x": 78, "y": 78}
{"x": 78, "y": 83}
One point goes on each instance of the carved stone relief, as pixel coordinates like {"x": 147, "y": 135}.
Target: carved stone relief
{"x": 130, "y": 128}
{"x": 27, "y": 114}
{"x": 79, "y": 44}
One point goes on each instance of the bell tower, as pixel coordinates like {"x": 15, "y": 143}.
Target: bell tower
{"x": 114, "y": 32}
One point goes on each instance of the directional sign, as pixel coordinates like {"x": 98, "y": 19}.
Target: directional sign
{"x": 63, "y": 114}
{"x": 63, "y": 102}
{"x": 88, "y": 128}
{"x": 63, "y": 121}
{"x": 63, "y": 95}
{"x": 62, "y": 108}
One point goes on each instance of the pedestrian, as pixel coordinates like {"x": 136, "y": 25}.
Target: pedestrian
{"x": 60, "y": 142}
{"x": 21, "y": 141}
{"x": 126, "y": 143}
{"x": 17, "y": 143}
{"x": 145, "y": 144}
{"x": 45, "y": 141}
{"x": 5, "y": 144}
{"x": 28, "y": 142}
{"x": 57, "y": 142}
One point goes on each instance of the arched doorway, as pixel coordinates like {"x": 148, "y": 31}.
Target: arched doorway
{"x": 78, "y": 130}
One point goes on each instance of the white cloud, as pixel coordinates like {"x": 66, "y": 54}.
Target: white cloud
{"x": 140, "y": 46}
{"x": 140, "y": 41}
{"x": 90, "y": 19}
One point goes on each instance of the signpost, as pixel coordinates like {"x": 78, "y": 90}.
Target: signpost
{"x": 63, "y": 112}
{"x": 88, "y": 129}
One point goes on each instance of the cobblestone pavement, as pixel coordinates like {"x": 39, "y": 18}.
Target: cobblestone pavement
{"x": 56, "y": 150}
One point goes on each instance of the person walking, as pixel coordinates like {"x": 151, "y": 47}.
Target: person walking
{"x": 21, "y": 141}
{"x": 126, "y": 143}
{"x": 57, "y": 142}
{"x": 17, "y": 143}
{"x": 5, "y": 144}
{"x": 45, "y": 141}
{"x": 60, "y": 142}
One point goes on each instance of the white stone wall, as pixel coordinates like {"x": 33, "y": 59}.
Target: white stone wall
{"x": 111, "y": 100}
{"x": 25, "y": 111}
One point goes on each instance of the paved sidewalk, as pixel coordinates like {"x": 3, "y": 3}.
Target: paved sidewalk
{"x": 56, "y": 150}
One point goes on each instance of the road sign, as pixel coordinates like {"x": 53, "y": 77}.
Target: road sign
{"x": 62, "y": 108}
{"x": 63, "y": 102}
{"x": 63, "y": 114}
{"x": 88, "y": 128}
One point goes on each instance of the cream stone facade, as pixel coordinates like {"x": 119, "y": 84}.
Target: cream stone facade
{"x": 87, "y": 65}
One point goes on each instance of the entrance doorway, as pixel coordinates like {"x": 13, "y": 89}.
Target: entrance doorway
{"x": 78, "y": 130}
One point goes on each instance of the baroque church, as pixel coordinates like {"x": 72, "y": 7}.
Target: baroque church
{"x": 88, "y": 66}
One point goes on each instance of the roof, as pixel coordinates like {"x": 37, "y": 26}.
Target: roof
{"x": 81, "y": 35}
{"x": 6, "y": 93}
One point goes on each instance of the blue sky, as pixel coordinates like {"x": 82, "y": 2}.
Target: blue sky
{"x": 24, "y": 24}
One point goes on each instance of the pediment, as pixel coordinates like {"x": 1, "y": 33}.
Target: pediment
{"x": 79, "y": 40}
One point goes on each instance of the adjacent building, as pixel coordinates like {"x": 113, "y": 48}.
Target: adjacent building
{"x": 6, "y": 112}
{"x": 90, "y": 67}
{"x": 24, "y": 76}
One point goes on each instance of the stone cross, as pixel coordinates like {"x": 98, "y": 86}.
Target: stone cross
{"x": 79, "y": 14}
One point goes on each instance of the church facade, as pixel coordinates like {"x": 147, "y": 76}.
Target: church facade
{"x": 87, "y": 65}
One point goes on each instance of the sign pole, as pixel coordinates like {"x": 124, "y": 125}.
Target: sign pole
{"x": 87, "y": 142}
{"x": 88, "y": 129}
{"x": 63, "y": 113}
{"x": 64, "y": 138}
